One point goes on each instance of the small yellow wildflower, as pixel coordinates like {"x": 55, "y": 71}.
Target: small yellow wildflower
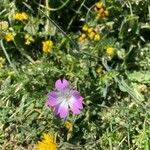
{"x": 47, "y": 46}
{"x": 106, "y": 12}
{"x": 2, "y": 61}
{"x": 29, "y": 39}
{"x": 48, "y": 143}
{"x": 4, "y": 25}
{"x": 101, "y": 13}
{"x": 85, "y": 28}
{"x": 99, "y": 5}
{"x": 91, "y": 35}
{"x": 97, "y": 37}
{"x": 68, "y": 125}
{"x": 99, "y": 69}
{"x": 27, "y": 42}
{"x": 90, "y": 30}
{"x": 82, "y": 37}
{"x": 21, "y": 16}
{"x": 110, "y": 51}
{"x": 9, "y": 37}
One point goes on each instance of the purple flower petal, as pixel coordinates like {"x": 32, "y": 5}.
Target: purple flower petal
{"x": 52, "y": 102}
{"x": 62, "y": 110}
{"x": 52, "y": 99}
{"x": 77, "y": 95}
{"x": 61, "y": 84}
{"x": 56, "y": 109}
{"x": 64, "y": 99}
{"x": 75, "y": 105}
{"x": 53, "y": 94}
{"x": 75, "y": 110}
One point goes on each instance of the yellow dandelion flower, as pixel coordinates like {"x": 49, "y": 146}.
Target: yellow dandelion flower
{"x": 97, "y": 37}
{"x": 21, "y": 16}
{"x": 4, "y": 25}
{"x": 68, "y": 125}
{"x": 85, "y": 28}
{"x": 9, "y": 37}
{"x": 99, "y": 69}
{"x": 91, "y": 35}
{"x": 48, "y": 143}
{"x": 47, "y": 46}
{"x": 99, "y": 5}
{"x": 29, "y": 39}
{"x": 110, "y": 51}
{"x": 106, "y": 12}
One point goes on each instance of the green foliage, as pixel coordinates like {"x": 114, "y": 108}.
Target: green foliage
{"x": 112, "y": 73}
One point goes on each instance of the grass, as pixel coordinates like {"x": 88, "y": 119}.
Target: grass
{"x": 111, "y": 73}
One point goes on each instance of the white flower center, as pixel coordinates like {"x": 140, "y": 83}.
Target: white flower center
{"x": 64, "y": 96}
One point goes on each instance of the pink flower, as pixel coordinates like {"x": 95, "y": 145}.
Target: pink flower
{"x": 64, "y": 99}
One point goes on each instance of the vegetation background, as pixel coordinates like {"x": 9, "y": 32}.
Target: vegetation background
{"x": 101, "y": 47}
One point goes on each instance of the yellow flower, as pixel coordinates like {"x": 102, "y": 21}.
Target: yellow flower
{"x": 90, "y": 30}
{"x": 82, "y": 37}
{"x": 106, "y": 12}
{"x": 110, "y": 51}
{"x": 101, "y": 13}
{"x": 2, "y": 61}
{"x": 21, "y": 16}
{"x": 91, "y": 35}
{"x": 9, "y": 37}
{"x": 27, "y": 42}
{"x": 68, "y": 125}
{"x": 47, "y": 46}
{"x": 99, "y": 5}
{"x": 29, "y": 39}
{"x": 97, "y": 37}
{"x": 48, "y": 143}
{"x": 99, "y": 69}
{"x": 85, "y": 28}
{"x": 4, "y": 25}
